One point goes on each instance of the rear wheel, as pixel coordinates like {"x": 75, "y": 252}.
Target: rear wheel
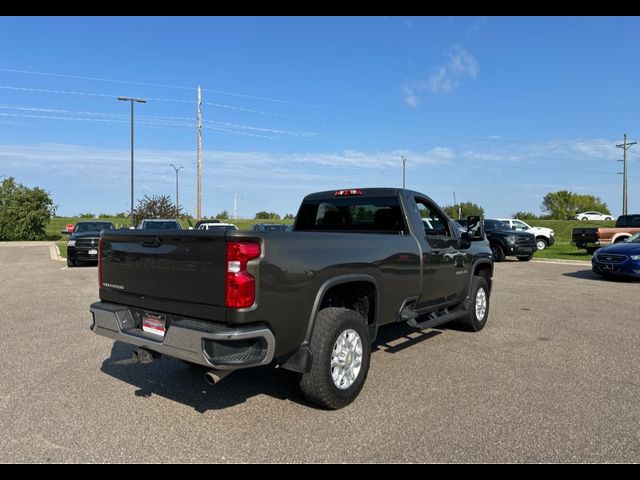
{"x": 525, "y": 258}
{"x": 341, "y": 351}
{"x": 478, "y": 313}
{"x": 608, "y": 219}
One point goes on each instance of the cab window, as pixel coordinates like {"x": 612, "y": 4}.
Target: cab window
{"x": 434, "y": 222}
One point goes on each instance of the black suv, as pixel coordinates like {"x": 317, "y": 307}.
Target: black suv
{"x": 506, "y": 242}
{"x": 82, "y": 245}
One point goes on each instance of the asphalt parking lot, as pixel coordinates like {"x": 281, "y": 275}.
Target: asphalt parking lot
{"x": 554, "y": 377}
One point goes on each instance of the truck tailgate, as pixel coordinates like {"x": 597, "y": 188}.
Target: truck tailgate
{"x": 181, "y": 266}
{"x": 584, "y": 235}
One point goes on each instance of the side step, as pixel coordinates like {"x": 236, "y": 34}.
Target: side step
{"x": 432, "y": 319}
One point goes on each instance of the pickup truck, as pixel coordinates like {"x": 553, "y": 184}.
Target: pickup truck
{"x": 593, "y": 238}
{"x": 311, "y": 300}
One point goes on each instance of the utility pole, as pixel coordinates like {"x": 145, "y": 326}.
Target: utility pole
{"x": 177, "y": 169}
{"x": 235, "y": 206}
{"x": 625, "y": 146}
{"x": 404, "y": 163}
{"x": 456, "y": 203}
{"x": 199, "y": 157}
{"x": 132, "y": 101}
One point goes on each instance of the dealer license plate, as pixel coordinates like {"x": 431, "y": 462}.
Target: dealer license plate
{"x": 154, "y": 324}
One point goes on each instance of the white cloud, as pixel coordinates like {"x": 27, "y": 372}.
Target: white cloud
{"x": 459, "y": 65}
{"x": 410, "y": 97}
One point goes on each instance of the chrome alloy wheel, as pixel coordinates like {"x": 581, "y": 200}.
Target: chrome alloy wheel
{"x": 346, "y": 359}
{"x": 481, "y": 304}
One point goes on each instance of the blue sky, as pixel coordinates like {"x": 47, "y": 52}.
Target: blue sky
{"x": 501, "y": 110}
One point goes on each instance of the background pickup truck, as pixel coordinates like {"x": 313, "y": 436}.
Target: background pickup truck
{"x": 593, "y": 238}
{"x": 310, "y": 300}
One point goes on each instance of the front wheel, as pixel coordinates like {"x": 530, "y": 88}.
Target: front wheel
{"x": 70, "y": 263}
{"x": 476, "y": 318}
{"x": 498, "y": 253}
{"x": 341, "y": 351}
{"x": 541, "y": 243}
{"x": 584, "y": 219}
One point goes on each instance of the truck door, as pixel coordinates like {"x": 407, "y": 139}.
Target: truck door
{"x": 445, "y": 265}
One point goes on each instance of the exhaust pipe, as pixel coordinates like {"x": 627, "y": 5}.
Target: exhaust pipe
{"x": 213, "y": 377}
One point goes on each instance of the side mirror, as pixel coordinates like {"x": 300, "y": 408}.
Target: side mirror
{"x": 475, "y": 229}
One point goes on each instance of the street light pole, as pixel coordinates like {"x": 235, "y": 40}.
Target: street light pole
{"x": 132, "y": 101}
{"x": 404, "y": 163}
{"x": 177, "y": 169}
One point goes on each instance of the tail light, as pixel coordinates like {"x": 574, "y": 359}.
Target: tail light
{"x": 597, "y": 234}
{"x": 240, "y": 285}
{"x": 348, "y": 193}
{"x": 100, "y": 264}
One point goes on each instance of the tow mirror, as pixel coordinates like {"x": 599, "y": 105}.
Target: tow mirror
{"x": 475, "y": 229}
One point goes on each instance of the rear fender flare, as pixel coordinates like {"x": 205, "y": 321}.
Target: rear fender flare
{"x": 332, "y": 282}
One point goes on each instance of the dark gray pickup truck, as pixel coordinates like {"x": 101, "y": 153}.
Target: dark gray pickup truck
{"x": 310, "y": 300}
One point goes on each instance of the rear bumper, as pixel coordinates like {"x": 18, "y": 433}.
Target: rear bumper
{"x": 212, "y": 345}
{"x": 586, "y": 244}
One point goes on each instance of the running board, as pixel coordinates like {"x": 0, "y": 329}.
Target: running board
{"x": 433, "y": 319}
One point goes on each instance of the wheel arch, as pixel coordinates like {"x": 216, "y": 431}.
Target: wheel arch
{"x": 336, "y": 288}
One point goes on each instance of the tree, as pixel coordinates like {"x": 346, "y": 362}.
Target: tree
{"x": 24, "y": 212}
{"x": 467, "y": 209}
{"x": 563, "y": 205}
{"x": 525, "y": 216}
{"x": 289, "y": 216}
{"x": 156, "y": 206}
{"x": 224, "y": 215}
{"x": 267, "y": 216}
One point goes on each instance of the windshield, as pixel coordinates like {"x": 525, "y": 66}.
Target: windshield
{"x": 633, "y": 239}
{"x": 494, "y": 225}
{"x": 93, "y": 226}
{"x": 161, "y": 225}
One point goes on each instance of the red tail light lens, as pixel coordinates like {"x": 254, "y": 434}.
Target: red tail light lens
{"x": 240, "y": 285}
{"x": 100, "y": 264}
{"x": 348, "y": 193}
{"x": 597, "y": 234}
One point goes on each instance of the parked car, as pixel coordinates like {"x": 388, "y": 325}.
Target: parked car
{"x": 621, "y": 259}
{"x": 159, "y": 224}
{"x": 82, "y": 245}
{"x": 593, "y": 238}
{"x": 545, "y": 237}
{"x": 311, "y": 301}
{"x": 506, "y": 242}
{"x": 594, "y": 216}
{"x": 268, "y": 227}
{"x": 217, "y": 227}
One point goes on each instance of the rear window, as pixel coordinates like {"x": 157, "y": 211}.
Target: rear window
{"x": 352, "y": 214}
{"x": 628, "y": 221}
{"x": 93, "y": 226}
{"x": 161, "y": 226}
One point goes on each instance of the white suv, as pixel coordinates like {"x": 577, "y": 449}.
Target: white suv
{"x": 545, "y": 237}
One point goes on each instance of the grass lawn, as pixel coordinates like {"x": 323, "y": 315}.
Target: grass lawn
{"x": 563, "y": 251}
